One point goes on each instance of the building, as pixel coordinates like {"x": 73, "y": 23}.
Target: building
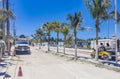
{"x": 111, "y": 42}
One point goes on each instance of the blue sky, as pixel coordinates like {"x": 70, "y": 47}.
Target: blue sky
{"x": 31, "y": 14}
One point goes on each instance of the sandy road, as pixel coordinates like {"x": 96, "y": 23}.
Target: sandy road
{"x": 40, "y": 65}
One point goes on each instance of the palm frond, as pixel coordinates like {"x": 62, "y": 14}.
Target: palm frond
{"x": 112, "y": 15}
{"x": 57, "y": 26}
{"x": 4, "y": 15}
{"x": 98, "y": 8}
{"x": 48, "y": 27}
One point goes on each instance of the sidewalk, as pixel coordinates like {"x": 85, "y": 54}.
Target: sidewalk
{"x": 4, "y": 64}
{"x": 111, "y": 65}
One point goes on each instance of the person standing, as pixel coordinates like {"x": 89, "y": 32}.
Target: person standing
{"x": 107, "y": 46}
{"x": 2, "y": 47}
{"x": 102, "y": 47}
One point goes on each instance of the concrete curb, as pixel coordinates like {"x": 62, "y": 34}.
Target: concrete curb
{"x": 89, "y": 61}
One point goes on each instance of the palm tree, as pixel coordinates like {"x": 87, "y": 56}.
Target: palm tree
{"x": 48, "y": 27}
{"x": 65, "y": 31}
{"x": 4, "y": 14}
{"x": 112, "y": 15}
{"x": 40, "y": 34}
{"x": 98, "y": 10}
{"x": 57, "y": 29}
{"x": 76, "y": 21}
{"x": 69, "y": 39}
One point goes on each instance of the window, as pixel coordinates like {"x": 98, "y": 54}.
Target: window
{"x": 22, "y": 42}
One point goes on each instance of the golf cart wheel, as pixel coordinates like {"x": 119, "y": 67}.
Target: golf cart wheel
{"x": 105, "y": 57}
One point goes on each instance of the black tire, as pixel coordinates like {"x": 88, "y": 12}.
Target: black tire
{"x": 92, "y": 56}
{"x": 29, "y": 51}
{"x": 105, "y": 57}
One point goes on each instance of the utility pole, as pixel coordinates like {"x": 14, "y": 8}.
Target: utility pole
{"x": 3, "y": 4}
{"x": 108, "y": 28}
{"x": 115, "y": 7}
{"x": 8, "y": 27}
{"x": 14, "y": 29}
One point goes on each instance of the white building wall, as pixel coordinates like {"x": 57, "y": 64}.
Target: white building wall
{"x": 111, "y": 42}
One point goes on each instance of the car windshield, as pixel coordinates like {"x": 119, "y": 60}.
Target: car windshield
{"x": 22, "y": 42}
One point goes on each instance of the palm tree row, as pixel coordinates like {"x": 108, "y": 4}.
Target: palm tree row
{"x": 64, "y": 29}
{"x": 99, "y": 12}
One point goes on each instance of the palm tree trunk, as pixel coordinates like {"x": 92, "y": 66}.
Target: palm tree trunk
{"x": 75, "y": 46}
{"x": 64, "y": 45}
{"x": 64, "y": 49}
{"x": 3, "y": 31}
{"x": 97, "y": 30}
{"x": 3, "y": 6}
{"x": 40, "y": 43}
{"x": 57, "y": 42}
{"x": 49, "y": 42}
{"x": 8, "y": 28}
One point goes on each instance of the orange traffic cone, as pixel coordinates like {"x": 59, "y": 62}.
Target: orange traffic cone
{"x": 20, "y": 72}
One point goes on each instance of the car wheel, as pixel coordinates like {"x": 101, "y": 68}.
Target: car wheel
{"x": 29, "y": 52}
{"x": 105, "y": 57}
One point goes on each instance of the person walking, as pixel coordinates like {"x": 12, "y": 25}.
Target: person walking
{"x": 102, "y": 47}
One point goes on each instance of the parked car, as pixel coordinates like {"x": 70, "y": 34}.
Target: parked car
{"x": 22, "y": 46}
